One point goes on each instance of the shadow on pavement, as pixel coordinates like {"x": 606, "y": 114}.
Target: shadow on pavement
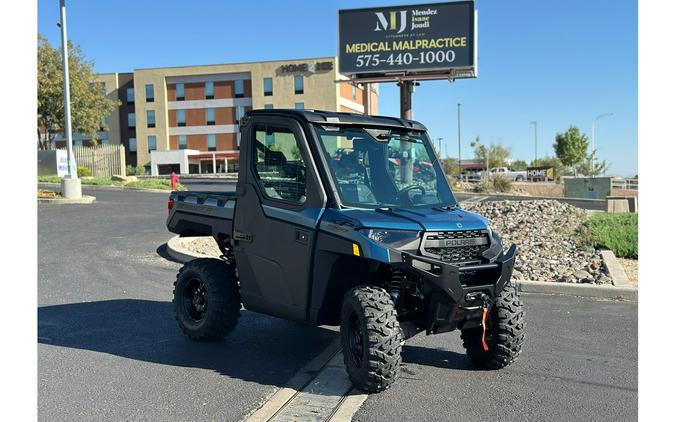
{"x": 444, "y": 359}
{"x": 262, "y": 349}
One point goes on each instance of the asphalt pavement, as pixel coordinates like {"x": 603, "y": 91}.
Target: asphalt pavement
{"x": 109, "y": 348}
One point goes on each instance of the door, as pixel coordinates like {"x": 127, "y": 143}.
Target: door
{"x": 279, "y": 203}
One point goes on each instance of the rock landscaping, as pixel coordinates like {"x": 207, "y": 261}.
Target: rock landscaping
{"x": 547, "y": 233}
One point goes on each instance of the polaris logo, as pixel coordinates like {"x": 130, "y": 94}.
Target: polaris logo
{"x": 476, "y": 241}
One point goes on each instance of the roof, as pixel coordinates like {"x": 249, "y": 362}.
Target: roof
{"x": 338, "y": 118}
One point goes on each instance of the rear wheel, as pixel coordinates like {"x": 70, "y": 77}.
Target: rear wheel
{"x": 505, "y": 332}
{"x": 206, "y": 299}
{"x": 371, "y": 338}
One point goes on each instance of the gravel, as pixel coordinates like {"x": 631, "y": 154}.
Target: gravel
{"x": 545, "y": 231}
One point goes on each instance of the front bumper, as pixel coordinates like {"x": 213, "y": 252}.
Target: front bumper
{"x": 453, "y": 304}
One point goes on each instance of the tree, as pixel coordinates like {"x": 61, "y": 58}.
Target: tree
{"x": 493, "y": 155}
{"x": 519, "y": 165}
{"x": 89, "y": 104}
{"x": 570, "y": 147}
{"x": 590, "y": 167}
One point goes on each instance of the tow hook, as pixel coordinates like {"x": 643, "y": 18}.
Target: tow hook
{"x": 485, "y": 305}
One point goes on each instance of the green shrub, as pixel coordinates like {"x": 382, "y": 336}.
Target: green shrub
{"x": 494, "y": 184}
{"x": 501, "y": 184}
{"x": 83, "y": 171}
{"x": 617, "y": 232}
{"x": 135, "y": 171}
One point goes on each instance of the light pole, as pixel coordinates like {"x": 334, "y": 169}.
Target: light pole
{"x": 598, "y": 117}
{"x": 70, "y": 185}
{"x": 535, "y": 142}
{"x": 459, "y": 143}
{"x": 440, "y": 150}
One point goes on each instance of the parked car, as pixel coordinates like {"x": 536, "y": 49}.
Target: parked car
{"x": 516, "y": 175}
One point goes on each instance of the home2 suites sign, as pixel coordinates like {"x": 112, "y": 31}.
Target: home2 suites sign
{"x": 418, "y": 38}
{"x": 306, "y": 67}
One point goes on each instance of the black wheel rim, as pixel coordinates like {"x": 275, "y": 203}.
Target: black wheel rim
{"x": 195, "y": 300}
{"x": 355, "y": 339}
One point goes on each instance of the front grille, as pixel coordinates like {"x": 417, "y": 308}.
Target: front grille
{"x": 465, "y": 246}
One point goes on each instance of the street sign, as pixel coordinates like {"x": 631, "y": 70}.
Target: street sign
{"x": 432, "y": 40}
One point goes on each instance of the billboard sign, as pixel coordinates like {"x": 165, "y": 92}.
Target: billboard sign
{"x": 424, "y": 38}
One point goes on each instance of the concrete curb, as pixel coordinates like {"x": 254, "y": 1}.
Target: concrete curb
{"x": 583, "y": 290}
{"x": 86, "y": 199}
{"x": 615, "y": 269}
{"x": 177, "y": 252}
{"x": 117, "y": 188}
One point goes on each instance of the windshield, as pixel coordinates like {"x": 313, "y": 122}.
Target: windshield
{"x": 376, "y": 168}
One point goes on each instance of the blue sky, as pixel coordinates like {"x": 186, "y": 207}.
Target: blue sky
{"x": 560, "y": 63}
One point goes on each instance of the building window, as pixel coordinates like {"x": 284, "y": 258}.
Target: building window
{"x": 105, "y": 141}
{"x": 132, "y": 120}
{"x": 130, "y": 95}
{"x": 210, "y": 116}
{"x": 182, "y": 142}
{"x": 180, "y": 117}
{"x": 299, "y": 82}
{"x": 211, "y": 142}
{"x": 268, "y": 107}
{"x": 151, "y": 118}
{"x": 240, "y": 113}
{"x": 299, "y": 106}
{"x": 149, "y": 93}
{"x": 152, "y": 143}
{"x": 132, "y": 145}
{"x": 208, "y": 90}
{"x": 238, "y": 89}
{"x": 267, "y": 86}
{"x": 353, "y": 92}
{"x": 180, "y": 92}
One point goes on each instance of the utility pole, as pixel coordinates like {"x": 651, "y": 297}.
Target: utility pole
{"x": 71, "y": 187}
{"x": 592, "y": 163}
{"x": 459, "y": 143}
{"x": 406, "y": 91}
{"x": 440, "y": 148}
{"x": 535, "y": 142}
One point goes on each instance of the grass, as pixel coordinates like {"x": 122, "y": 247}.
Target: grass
{"x": 149, "y": 183}
{"x": 617, "y": 232}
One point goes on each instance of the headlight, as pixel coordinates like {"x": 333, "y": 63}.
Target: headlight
{"x": 393, "y": 238}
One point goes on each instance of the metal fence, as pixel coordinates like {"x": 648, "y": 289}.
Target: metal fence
{"x": 628, "y": 184}
{"x": 102, "y": 160}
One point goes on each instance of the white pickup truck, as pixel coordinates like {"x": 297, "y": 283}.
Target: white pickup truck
{"x": 518, "y": 176}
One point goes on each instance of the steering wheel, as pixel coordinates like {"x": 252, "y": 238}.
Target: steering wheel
{"x": 406, "y": 190}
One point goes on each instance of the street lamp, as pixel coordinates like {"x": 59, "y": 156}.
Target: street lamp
{"x": 71, "y": 187}
{"x": 459, "y": 144}
{"x": 598, "y": 117}
{"x": 535, "y": 142}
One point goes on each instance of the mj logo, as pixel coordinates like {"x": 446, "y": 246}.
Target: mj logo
{"x": 391, "y": 24}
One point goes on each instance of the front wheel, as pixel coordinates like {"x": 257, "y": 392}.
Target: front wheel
{"x": 371, "y": 338}
{"x": 206, "y": 299}
{"x": 505, "y": 332}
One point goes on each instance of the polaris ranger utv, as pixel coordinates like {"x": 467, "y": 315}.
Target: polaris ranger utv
{"x": 332, "y": 223}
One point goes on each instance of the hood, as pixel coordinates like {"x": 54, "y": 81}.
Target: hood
{"x": 427, "y": 219}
